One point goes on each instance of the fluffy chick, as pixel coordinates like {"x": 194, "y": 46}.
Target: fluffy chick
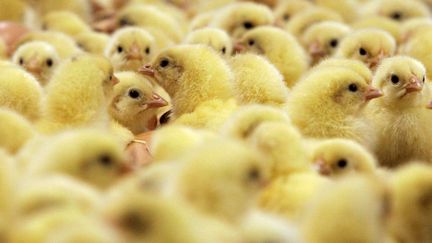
{"x": 415, "y": 48}
{"x": 280, "y": 48}
{"x": 367, "y": 45}
{"x": 130, "y": 48}
{"x": 342, "y": 157}
{"x": 92, "y": 42}
{"x": 321, "y": 40}
{"x": 286, "y": 10}
{"x": 349, "y": 10}
{"x": 354, "y": 65}
{"x": 216, "y": 38}
{"x": 329, "y": 102}
{"x": 15, "y": 131}
{"x": 78, "y": 94}
{"x": 89, "y": 155}
{"x": 398, "y": 10}
{"x": 65, "y": 22}
{"x": 64, "y": 45}
{"x": 237, "y": 18}
{"x": 393, "y": 27}
{"x": 411, "y": 27}
{"x": 38, "y": 58}
{"x": 256, "y": 81}
{"x": 401, "y": 121}
{"x": 134, "y": 103}
{"x": 20, "y": 91}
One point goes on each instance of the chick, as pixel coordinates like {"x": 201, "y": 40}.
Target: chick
{"x": 330, "y": 102}
{"x": 92, "y": 42}
{"x": 286, "y": 10}
{"x": 354, "y": 65}
{"x": 89, "y": 155}
{"x": 352, "y": 210}
{"x": 393, "y": 27}
{"x": 398, "y": 10}
{"x": 134, "y": 103}
{"x": 130, "y": 48}
{"x": 216, "y": 38}
{"x": 78, "y": 94}
{"x": 238, "y": 18}
{"x": 280, "y": 48}
{"x": 410, "y": 219}
{"x": 65, "y": 22}
{"x": 402, "y": 81}
{"x": 368, "y": 45}
{"x": 64, "y": 45}
{"x": 415, "y": 48}
{"x": 342, "y": 157}
{"x": 38, "y": 58}
{"x": 15, "y": 131}
{"x": 321, "y": 40}
{"x": 257, "y": 81}
{"x": 299, "y": 23}
{"x": 348, "y": 10}
{"x": 19, "y": 91}
{"x": 413, "y": 26}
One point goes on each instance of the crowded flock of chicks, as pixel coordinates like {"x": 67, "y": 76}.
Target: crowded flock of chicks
{"x": 290, "y": 121}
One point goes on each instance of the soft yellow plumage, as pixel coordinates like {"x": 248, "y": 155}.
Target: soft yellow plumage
{"x": 15, "y": 131}
{"x": 286, "y": 10}
{"x": 216, "y": 38}
{"x": 92, "y": 42}
{"x": 65, "y": 22}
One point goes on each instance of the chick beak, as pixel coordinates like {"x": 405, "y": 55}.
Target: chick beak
{"x": 115, "y": 80}
{"x": 106, "y": 25}
{"x": 156, "y": 102}
{"x": 322, "y": 167}
{"x": 147, "y": 70}
{"x": 239, "y": 47}
{"x": 33, "y": 67}
{"x": 134, "y": 53}
{"x": 415, "y": 85}
{"x": 316, "y": 51}
{"x": 279, "y": 23}
{"x": 126, "y": 168}
{"x": 372, "y": 93}
{"x": 375, "y": 61}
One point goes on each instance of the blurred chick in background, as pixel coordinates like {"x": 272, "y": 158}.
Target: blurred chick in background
{"x": 286, "y": 10}
{"x": 398, "y": 10}
{"x": 92, "y": 42}
{"x": 65, "y": 22}
{"x": 15, "y": 131}
{"x": 216, "y": 38}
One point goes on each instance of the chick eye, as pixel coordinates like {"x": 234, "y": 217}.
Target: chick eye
{"x": 396, "y": 16}
{"x": 164, "y": 63}
{"x": 134, "y": 94}
{"x": 362, "y": 51}
{"x": 49, "y": 62}
{"x": 394, "y": 79}
{"x": 119, "y": 49}
{"x": 251, "y": 42}
{"x": 105, "y": 160}
{"x": 353, "y": 87}
{"x": 248, "y": 25}
{"x": 223, "y": 50}
{"x": 21, "y": 61}
{"x": 254, "y": 174}
{"x": 124, "y": 21}
{"x": 334, "y": 43}
{"x": 286, "y": 17}
{"x": 424, "y": 79}
{"x": 342, "y": 163}
{"x": 147, "y": 50}
{"x": 133, "y": 222}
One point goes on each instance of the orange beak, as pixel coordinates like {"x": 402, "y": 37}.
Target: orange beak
{"x": 134, "y": 53}
{"x": 372, "y": 93}
{"x": 156, "y": 102}
{"x": 115, "y": 80}
{"x": 315, "y": 50}
{"x": 33, "y": 67}
{"x": 239, "y": 47}
{"x": 415, "y": 85}
{"x": 147, "y": 70}
{"x": 322, "y": 167}
{"x": 375, "y": 61}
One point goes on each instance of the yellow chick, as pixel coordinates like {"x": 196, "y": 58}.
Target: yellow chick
{"x": 411, "y": 27}
{"x": 416, "y": 47}
{"x": 280, "y": 48}
{"x": 321, "y": 40}
{"x": 134, "y": 103}
{"x": 393, "y": 27}
{"x": 398, "y": 10}
{"x": 368, "y": 45}
{"x": 19, "y": 91}
{"x": 216, "y": 38}
{"x": 286, "y": 10}
{"x": 256, "y": 81}
{"x": 329, "y": 103}
{"x": 238, "y": 18}
{"x": 80, "y": 7}
{"x": 65, "y": 22}
{"x": 78, "y": 94}
{"x": 349, "y": 10}
{"x": 92, "y": 42}
{"x": 89, "y": 155}
{"x": 354, "y": 65}
{"x": 410, "y": 219}
{"x": 130, "y": 48}
{"x": 342, "y": 157}
{"x": 352, "y": 210}
{"x": 226, "y": 184}
{"x": 300, "y": 22}
{"x": 401, "y": 121}
{"x": 38, "y": 58}
{"x": 15, "y": 131}
{"x": 201, "y": 20}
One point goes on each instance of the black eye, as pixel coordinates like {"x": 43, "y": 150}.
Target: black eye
{"x": 119, "y": 49}
{"x": 49, "y": 62}
{"x": 362, "y": 51}
{"x": 251, "y": 42}
{"x": 134, "y": 94}
{"x": 133, "y": 222}
{"x": 334, "y": 43}
{"x": 254, "y": 174}
{"x": 286, "y": 17}
{"x": 394, "y": 79}
{"x": 424, "y": 79}
{"x": 396, "y": 16}
{"x": 21, "y": 61}
{"x": 164, "y": 63}
{"x": 248, "y": 25}
{"x": 147, "y": 50}
{"x": 353, "y": 87}
{"x": 105, "y": 160}
{"x": 342, "y": 163}
{"x": 124, "y": 22}
{"x": 223, "y": 50}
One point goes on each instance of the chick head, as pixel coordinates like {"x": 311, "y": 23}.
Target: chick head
{"x": 38, "y": 58}
{"x": 216, "y": 38}
{"x": 92, "y": 42}
{"x": 321, "y": 40}
{"x": 401, "y": 10}
{"x": 402, "y": 80}
{"x": 285, "y": 10}
{"x": 65, "y": 22}
{"x": 368, "y": 45}
{"x": 340, "y": 157}
{"x": 413, "y": 26}
{"x": 355, "y": 65}
{"x": 238, "y": 18}
{"x": 130, "y": 48}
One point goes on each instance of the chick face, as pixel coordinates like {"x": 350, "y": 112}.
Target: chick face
{"x": 130, "y": 48}
{"x": 38, "y": 58}
{"x": 218, "y": 39}
{"x": 369, "y": 46}
{"x": 401, "y": 79}
{"x": 340, "y": 157}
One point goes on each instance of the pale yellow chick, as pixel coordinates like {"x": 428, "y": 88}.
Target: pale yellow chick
{"x": 65, "y": 22}
{"x": 15, "y": 131}
{"x": 393, "y": 27}
{"x": 280, "y": 48}
{"x": 411, "y": 27}
{"x": 92, "y": 42}
{"x": 348, "y": 9}
{"x": 216, "y": 38}
{"x": 286, "y": 10}
{"x": 38, "y": 58}
{"x": 399, "y": 10}
{"x": 416, "y": 47}
{"x": 354, "y": 65}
